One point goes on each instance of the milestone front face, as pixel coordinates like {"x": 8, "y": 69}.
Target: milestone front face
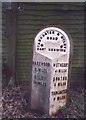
{"x": 50, "y": 70}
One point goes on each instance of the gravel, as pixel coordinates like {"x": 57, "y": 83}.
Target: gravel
{"x": 16, "y": 102}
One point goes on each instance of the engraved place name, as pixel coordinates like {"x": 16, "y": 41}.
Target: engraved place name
{"x": 59, "y": 78}
{"x": 60, "y": 65}
{"x": 41, "y": 48}
{"x": 49, "y": 32}
{"x": 56, "y": 50}
{"x": 41, "y": 63}
{"x": 59, "y": 92}
{"x": 38, "y": 82}
{"x": 52, "y": 49}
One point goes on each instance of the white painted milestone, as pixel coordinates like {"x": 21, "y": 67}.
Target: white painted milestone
{"x": 51, "y": 52}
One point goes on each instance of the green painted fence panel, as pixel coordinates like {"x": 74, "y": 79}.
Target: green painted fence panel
{"x": 33, "y": 17}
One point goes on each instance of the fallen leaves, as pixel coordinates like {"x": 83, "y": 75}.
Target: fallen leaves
{"x": 16, "y": 104}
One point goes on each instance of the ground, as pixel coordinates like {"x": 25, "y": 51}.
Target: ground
{"x": 16, "y": 104}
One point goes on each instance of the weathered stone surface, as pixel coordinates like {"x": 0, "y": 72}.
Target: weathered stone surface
{"x": 50, "y": 70}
